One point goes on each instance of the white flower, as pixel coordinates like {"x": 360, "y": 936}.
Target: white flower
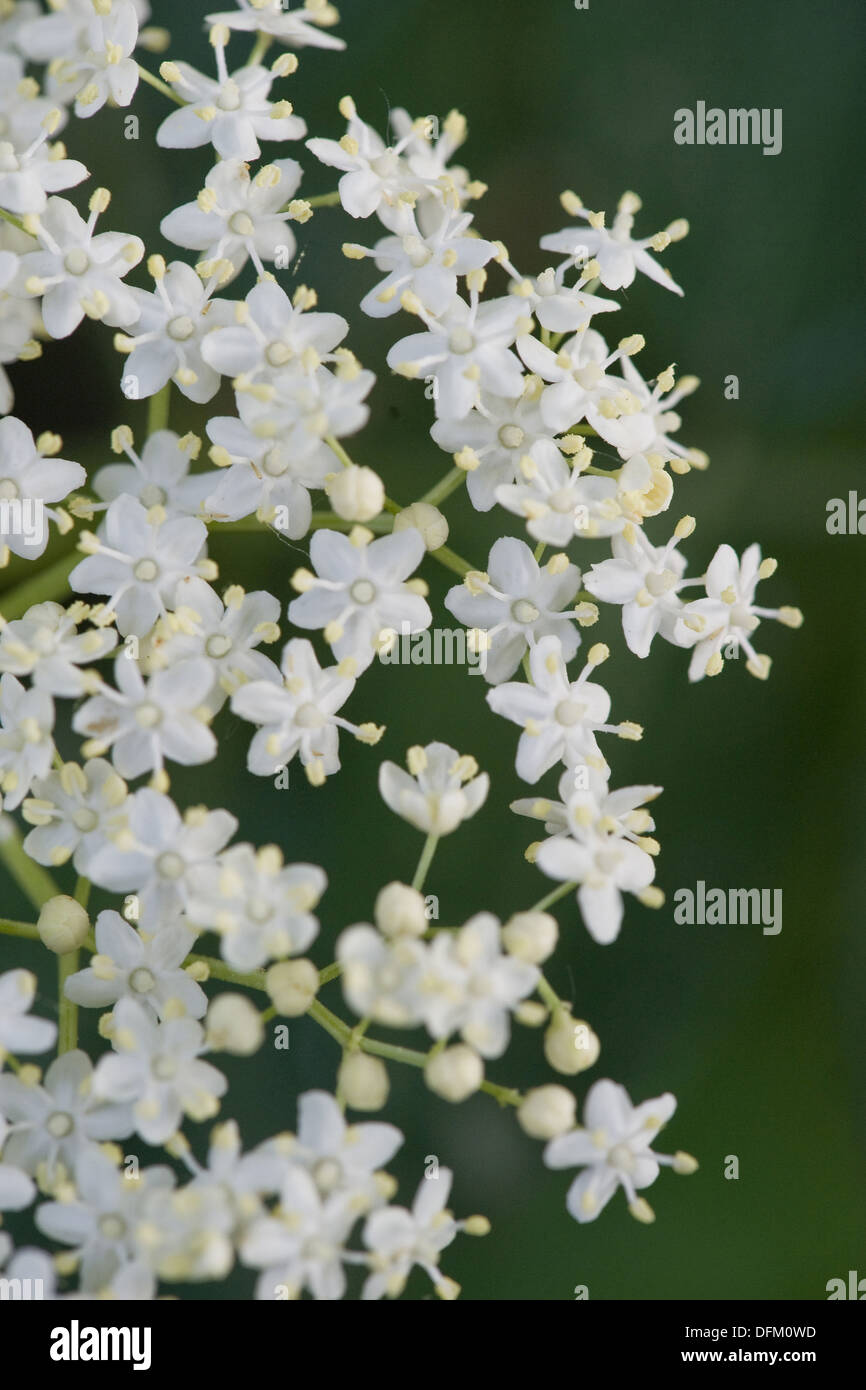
{"x": 22, "y": 109}
{"x": 259, "y": 906}
{"x": 723, "y": 623}
{"x": 146, "y": 722}
{"x": 18, "y": 1032}
{"x": 299, "y": 715}
{"x": 631, "y": 433}
{"x": 560, "y": 717}
{"x": 373, "y": 173}
{"x": 29, "y": 173}
{"x": 74, "y": 811}
{"x": 80, "y": 271}
{"x": 237, "y": 217}
{"x": 171, "y": 325}
{"x": 46, "y": 645}
{"x": 613, "y": 1148}
{"x": 224, "y": 633}
{"x": 360, "y": 592}
{"x": 399, "y": 1239}
{"x": 271, "y": 333}
{"x": 138, "y": 558}
{"x": 159, "y": 476}
{"x": 382, "y": 979}
{"x": 466, "y": 351}
{"x": 53, "y": 1123}
{"x": 17, "y": 1189}
{"x": 618, "y": 255}
{"x": 558, "y": 502}
{"x": 63, "y": 32}
{"x": 302, "y": 1245}
{"x": 647, "y": 581}
{"x": 28, "y": 478}
{"x": 499, "y": 432}
{"x": 133, "y": 964}
{"x": 233, "y": 112}
{"x": 340, "y": 1157}
{"x": 300, "y": 27}
{"x": 104, "y": 1219}
{"x": 582, "y": 387}
{"x": 158, "y": 1068}
{"x": 159, "y": 849}
{"x": 441, "y": 789}
{"x": 603, "y": 853}
{"x": 102, "y": 69}
{"x": 515, "y": 604}
{"x": 470, "y": 985}
{"x": 427, "y": 266}
{"x": 26, "y": 743}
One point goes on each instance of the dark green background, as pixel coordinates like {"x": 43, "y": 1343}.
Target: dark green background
{"x": 760, "y": 1037}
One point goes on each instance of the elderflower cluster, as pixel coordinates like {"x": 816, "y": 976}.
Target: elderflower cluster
{"x": 140, "y": 666}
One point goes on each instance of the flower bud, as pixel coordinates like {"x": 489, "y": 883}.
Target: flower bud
{"x": 234, "y": 1025}
{"x": 570, "y": 1045}
{"x": 292, "y": 986}
{"x": 357, "y": 494}
{"x": 399, "y": 911}
{"x": 427, "y": 519}
{"x": 454, "y": 1074}
{"x": 530, "y": 936}
{"x": 63, "y": 924}
{"x": 363, "y": 1081}
{"x": 546, "y": 1112}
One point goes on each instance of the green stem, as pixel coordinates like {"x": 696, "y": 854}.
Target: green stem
{"x": 325, "y": 200}
{"x": 258, "y": 51}
{"x": 218, "y": 970}
{"x": 330, "y": 972}
{"x": 158, "y": 408}
{"x": 31, "y": 878}
{"x": 506, "y": 1095}
{"x": 67, "y": 1039}
{"x": 82, "y": 890}
{"x": 28, "y": 930}
{"x": 14, "y": 221}
{"x": 539, "y": 551}
{"x": 425, "y": 861}
{"x": 452, "y": 480}
{"x": 553, "y": 897}
{"x": 159, "y": 86}
{"x": 451, "y": 560}
{"x": 549, "y": 994}
{"x": 49, "y": 583}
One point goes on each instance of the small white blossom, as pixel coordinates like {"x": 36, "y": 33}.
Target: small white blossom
{"x": 440, "y": 790}
{"x": 238, "y": 218}
{"x": 76, "y": 811}
{"x": 19, "y": 1033}
{"x": 232, "y": 112}
{"x": 26, "y": 742}
{"x": 618, "y": 255}
{"x": 52, "y": 1124}
{"x": 171, "y": 324}
{"x": 132, "y": 963}
{"x": 259, "y": 907}
{"x": 300, "y": 27}
{"x": 723, "y": 623}
{"x": 159, "y": 476}
{"x": 29, "y": 477}
{"x": 467, "y": 350}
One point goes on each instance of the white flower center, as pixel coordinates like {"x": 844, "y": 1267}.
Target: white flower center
{"x": 170, "y": 865}
{"x": 8, "y": 489}
{"x": 141, "y": 981}
{"x": 362, "y": 591}
{"x": 309, "y": 716}
{"x": 229, "y": 98}
{"x": 85, "y": 820}
{"x": 59, "y": 1125}
{"x": 562, "y": 500}
{"x": 152, "y": 496}
{"x": 181, "y": 328}
{"x": 277, "y": 354}
{"x": 112, "y": 1226}
{"x": 76, "y": 261}
{"x": 327, "y": 1174}
{"x": 461, "y": 341}
{"x": 241, "y": 224}
{"x": 511, "y": 436}
{"x": 660, "y": 581}
{"x": 274, "y": 463}
{"x": 524, "y": 611}
{"x": 259, "y": 910}
{"x": 621, "y": 1157}
{"x": 164, "y": 1068}
{"x": 146, "y": 571}
{"x": 218, "y": 645}
{"x": 148, "y": 715}
{"x": 384, "y": 164}
{"x": 568, "y": 713}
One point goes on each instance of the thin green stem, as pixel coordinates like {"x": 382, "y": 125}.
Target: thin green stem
{"x": 452, "y": 480}
{"x": 336, "y": 448}
{"x": 506, "y": 1095}
{"x": 82, "y": 890}
{"x": 330, "y": 972}
{"x": 31, "y": 878}
{"x": 14, "y": 221}
{"x": 218, "y": 970}
{"x": 67, "y": 1037}
{"x": 451, "y": 560}
{"x": 28, "y": 930}
{"x": 325, "y": 200}
{"x": 539, "y": 551}
{"x": 425, "y": 861}
{"x": 158, "y": 408}
{"x": 258, "y": 50}
{"x": 553, "y": 897}
{"x": 159, "y": 86}
{"x": 549, "y": 994}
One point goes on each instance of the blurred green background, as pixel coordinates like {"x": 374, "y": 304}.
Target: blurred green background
{"x": 760, "y": 1037}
